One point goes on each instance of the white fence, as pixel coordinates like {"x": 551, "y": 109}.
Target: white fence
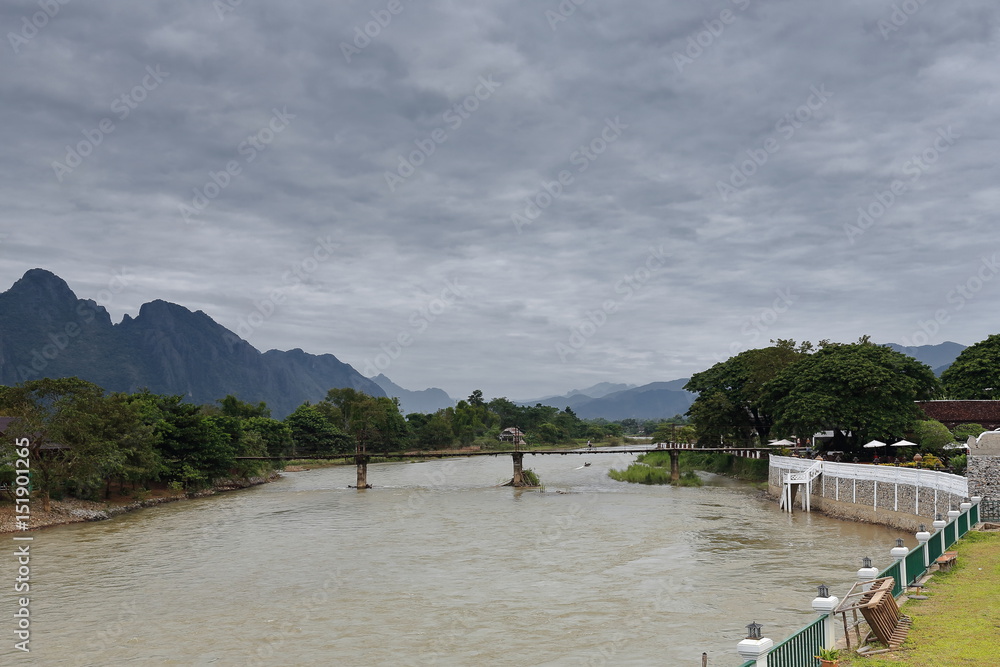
{"x": 926, "y": 479}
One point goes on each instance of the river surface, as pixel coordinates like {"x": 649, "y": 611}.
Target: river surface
{"x": 436, "y": 566}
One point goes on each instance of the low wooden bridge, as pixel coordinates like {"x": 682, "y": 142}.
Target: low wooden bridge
{"x": 362, "y": 458}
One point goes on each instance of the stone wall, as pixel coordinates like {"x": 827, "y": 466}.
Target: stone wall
{"x": 984, "y": 476}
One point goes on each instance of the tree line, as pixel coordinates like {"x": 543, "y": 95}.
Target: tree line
{"x": 859, "y": 391}
{"x": 87, "y": 442}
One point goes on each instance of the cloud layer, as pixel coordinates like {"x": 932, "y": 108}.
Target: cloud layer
{"x": 530, "y": 196}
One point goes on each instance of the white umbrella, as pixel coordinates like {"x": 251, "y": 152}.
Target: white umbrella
{"x": 780, "y": 443}
{"x": 873, "y": 444}
{"x": 956, "y": 445}
{"x": 905, "y": 443}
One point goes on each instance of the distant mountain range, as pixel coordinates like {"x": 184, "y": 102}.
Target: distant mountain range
{"x": 46, "y": 331}
{"x": 657, "y": 400}
{"x": 939, "y": 357}
{"x": 424, "y": 401}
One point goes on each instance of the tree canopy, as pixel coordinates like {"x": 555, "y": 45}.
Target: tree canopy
{"x": 975, "y": 373}
{"x": 731, "y": 403}
{"x": 858, "y": 390}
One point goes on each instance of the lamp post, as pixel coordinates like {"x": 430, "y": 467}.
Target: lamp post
{"x": 824, "y": 604}
{"x": 922, "y": 538}
{"x": 899, "y": 552}
{"x": 867, "y": 572}
{"x": 755, "y": 647}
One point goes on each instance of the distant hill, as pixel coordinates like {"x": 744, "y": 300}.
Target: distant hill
{"x": 46, "y": 331}
{"x": 657, "y": 400}
{"x": 939, "y": 357}
{"x": 424, "y": 401}
{"x": 598, "y": 390}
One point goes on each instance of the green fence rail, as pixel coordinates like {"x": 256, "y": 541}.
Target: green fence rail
{"x": 800, "y": 649}
{"x": 892, "y": 571}
{"x": 915, "y": 564}
{"x": 934, "y": 547}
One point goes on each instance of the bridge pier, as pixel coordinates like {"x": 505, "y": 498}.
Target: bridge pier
{"x": 362, "y": 462}
{"x": 675, "y": 465}
{"x": 518, "y": 479}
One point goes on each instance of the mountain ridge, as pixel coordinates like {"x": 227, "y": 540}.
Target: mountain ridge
{"x": 47, "y": 331}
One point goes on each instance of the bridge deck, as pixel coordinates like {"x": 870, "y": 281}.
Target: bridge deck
{"x": 641, "y": 449}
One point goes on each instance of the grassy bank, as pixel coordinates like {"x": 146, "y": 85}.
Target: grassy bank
{"x": 957, "y": 624}
{"x": 750, "y": 470}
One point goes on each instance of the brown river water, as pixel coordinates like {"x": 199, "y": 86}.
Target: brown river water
{"x": 435, "y": 566}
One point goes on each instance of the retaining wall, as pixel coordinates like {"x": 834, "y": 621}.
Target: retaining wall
{"x": 888, "y": 495}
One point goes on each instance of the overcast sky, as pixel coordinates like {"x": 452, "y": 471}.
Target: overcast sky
{"x": 390, "y": 171}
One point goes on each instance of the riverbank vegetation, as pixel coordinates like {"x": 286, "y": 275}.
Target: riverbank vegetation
{"x": 957, "y": 624}
{"x": 856, "y": 392}
{"x": 93, "y": 445}
{"x": 654, "y": 468}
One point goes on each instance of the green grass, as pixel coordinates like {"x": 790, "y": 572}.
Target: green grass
{"x": 640, "y": 473}
{"x": 958, "y": 624}
{"x": 750, "y": 470}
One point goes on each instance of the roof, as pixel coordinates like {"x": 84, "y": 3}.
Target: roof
{"x": 986, "y": 413}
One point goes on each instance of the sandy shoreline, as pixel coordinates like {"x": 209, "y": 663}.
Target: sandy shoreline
{"x": 72, "y": 510}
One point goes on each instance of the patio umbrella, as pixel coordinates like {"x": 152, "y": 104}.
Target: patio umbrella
{"x": 780, "y": 443}
{"x": 873, "y": 444}
{"x": 905, "y": 443}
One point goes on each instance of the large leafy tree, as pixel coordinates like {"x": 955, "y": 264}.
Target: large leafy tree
{"x": 858, "y": 390}
{"x": 731, "y": 401}
{"x": 314, "y": 434}
{"x": 80, "y": 438}
{"x": 975, "y": 374}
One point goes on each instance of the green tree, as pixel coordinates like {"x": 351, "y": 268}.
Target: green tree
{"x": 932, "y": 435}
{"x": 234, "y": 407}
{"x": 975, "y": 373}
{"x": 859, "y": 391}
{"x": 435, "y": 433}
{"x": 963, "y": 432}
{"x": 314, "y": 435}
{"x": 80, "y": 438}
{"x": 731, "y": 402}
{"x": 276, "y": 435}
